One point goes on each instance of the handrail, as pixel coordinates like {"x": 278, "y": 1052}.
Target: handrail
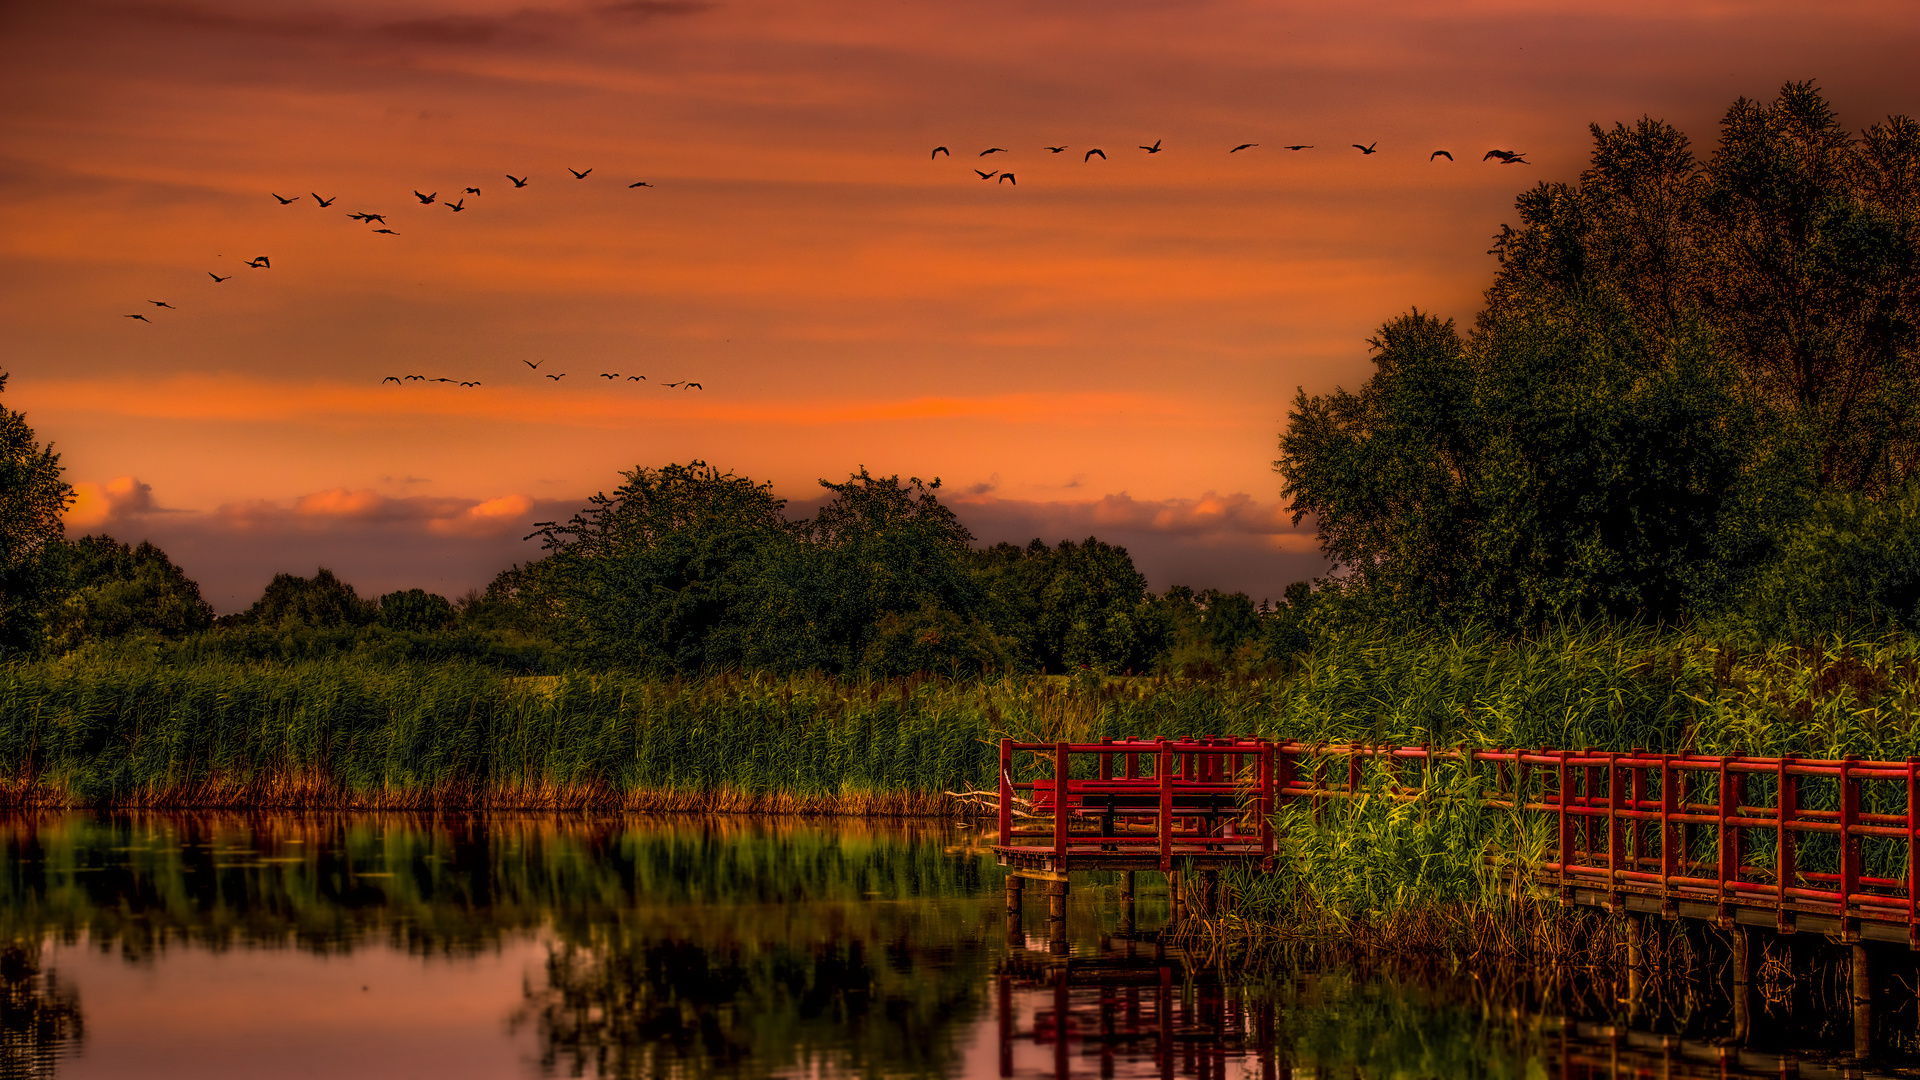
{"x": 1673, "y": 825}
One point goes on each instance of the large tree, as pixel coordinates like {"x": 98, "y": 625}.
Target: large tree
{"x": 32, "y": 497}
{"x": 1673, "y": 355}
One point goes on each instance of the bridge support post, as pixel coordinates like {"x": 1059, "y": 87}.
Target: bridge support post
{"x": 1177, "y": 896}
{"x": 1126, "y": 903}
{"x": 1016, "y": 889}
{"x": 1862, "y": 1002}
{"x": 1742, "y": 992}
{"x": 1057, "y": 917}
{"x": 1636, "y": 962}
{"x": 1209, "y": 892}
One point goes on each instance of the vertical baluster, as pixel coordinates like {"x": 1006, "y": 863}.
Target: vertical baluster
{"x": 1566, "y": 831}
{"x": 1060, "y": 769}
{"x": 1616, "y": 843}
{"x": 1006, "y": 792}
{"x": 1913, "y": 864}
{"x": 1785, "y": 864}
{"x": 1850, "y": 847}
{"x": 1669, "y": 803}
{"x": 1164, "y": 770}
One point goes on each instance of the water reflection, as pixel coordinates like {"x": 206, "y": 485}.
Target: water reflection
{"x": 689, "y": 947}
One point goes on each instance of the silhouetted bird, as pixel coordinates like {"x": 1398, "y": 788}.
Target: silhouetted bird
{"x": 1154, "y": 149}
{"x": 394, "y": 379}
{"x": 993, "y": 150}
{"x": 323, "y": 202}
{"x": 518, "y": 181}
{"x": 987, "y": 175}
{"x": 641, "y": 183}
{"x": 1516, "y": 159}
{"x": 470, "y": 384}
{"x": 473, "y": 191}
{"x": 164, "y": 304}
{"x": 604, "y": 375}
{"x": 442, "y": 380}
{"x": 695, "y": 386}
{"x": 260, "y": 263}
{"x": 533, "y": 365}
{"x": 1054, "y": 149}
{"x": 424, "y": 199}
{"x": 421, "y": 378}
{"x": 636, "y": 378}
{"x": 577, "y": 174}
{"x": 1243, "y": 146}
{"x": 1299, "y": 146}
{"x": 1506, "y": 156}
{"x": 217, "y": 279}
{"x": 389, "y": 232}
{"x": 456, "y": 207}
{"x": 1439, "y": 153}
{"x": 937, "y": 151}
{"x": 1007, "y": 177}
{"x": 283, "y": 200}
{"x": 557, "y": 378}
{"x": 1369, "y": 148}
{"x": 1088, "y": 156}
{"x": 142, "y": 318}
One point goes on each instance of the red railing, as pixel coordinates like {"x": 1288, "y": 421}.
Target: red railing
{"x": 1678, "y": 826}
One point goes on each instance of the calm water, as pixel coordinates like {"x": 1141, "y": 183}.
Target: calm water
{"x": 377, "y": 946}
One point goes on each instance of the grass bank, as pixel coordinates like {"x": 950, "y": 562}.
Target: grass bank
{"x": 339, "y": 734}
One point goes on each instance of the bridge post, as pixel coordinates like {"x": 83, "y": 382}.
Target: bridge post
{"x": 1177, "y": 896}
{"x": 1057, "y": 917}
{"x": 1636, "y": 962}
{"x": 1126, "y": 903}
{"x": 1862, "y": 1003}
{"x": 1016, "y": 888}
{"x": 1742, "y": 991}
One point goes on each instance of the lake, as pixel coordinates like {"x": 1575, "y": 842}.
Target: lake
{"x": 369, "y": 946}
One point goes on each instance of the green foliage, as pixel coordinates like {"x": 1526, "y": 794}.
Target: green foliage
{"x": 1072, "y": 607}
{"x": 113, "y": 590}
{"x": 1553, "y": 465}
{"x": 1852, "y": 567}
{"x": 416, "y": 610}
{"x": 320, "y": 602}
{"x": 1795, "y": 246}
{"x": 32, "y": 498}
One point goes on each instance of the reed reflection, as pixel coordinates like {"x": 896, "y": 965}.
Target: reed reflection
{"x": 40, "y": 1020}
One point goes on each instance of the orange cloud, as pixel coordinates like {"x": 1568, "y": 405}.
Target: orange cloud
{"x": 100, "y": 504}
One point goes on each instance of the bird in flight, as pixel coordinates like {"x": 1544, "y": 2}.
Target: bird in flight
{"x": 695, "y": 386}
{"x": 1007, "y": 177}
{"x": 381, "y": 218}
{"x": 987, "y": 175}
{"x": 687, "y": 385}
{"x": 421, "y": 378}
{"x": 577, "y": 174}
{"x": 142, "y": 318}
{"x": 518, "y": 181}
{"x": 636, "y": 378}
{"x": 1507, "y": 157}
{"x": 394, "y": 379}
{"x": 641, "y": 183}
{"x": 993, "y": 150}
{"x": 1055, "y": 149}
{"x": 260, "y": 263}
{"x": 1088, "y": 156}
{"x": 323, "y": 202}
{"x": 456, "y": 207}
{"x": 1154, "y": 149}
{"x": 164, "y": 304}
{"x": 389, "y": 232}
{"x": 1439, "y": 153}
{"x": 217, "y": 279}
{"x": 473, "y": 191}
{"x": 424, "y": 199}
{"x": 441, "y": 380}
{"x": 557, "y": 378}
{"x": 533, "y": 365}
{"x": 1243, "y": 146}
{"x": 605, "y": 375}
{"x": 1369, "y": 149}
{"x": 1301, "y": 146}
{"x": 475, "y": 383}
{"x": 937, "y": 151}
{"x": 283, "y": 201}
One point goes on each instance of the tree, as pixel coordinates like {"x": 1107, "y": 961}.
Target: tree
{"x": 665, "y": 572}
{"x": 32, "y": 498}
{"x": 112, "y": 590}
{"x": 416, "y": 610}
{"x": 322, "y": 601}
{"x": 1072, "y": 606}
{"x": 1554, "y": 464}
{"x": 1795, "y": 247}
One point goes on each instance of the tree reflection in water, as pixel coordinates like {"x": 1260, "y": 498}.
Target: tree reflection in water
{"x": 40, "y": 1020}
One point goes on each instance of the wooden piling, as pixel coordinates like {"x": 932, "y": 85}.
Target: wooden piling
{"x": 1862, "y": 1002}
{"x": 1742, "y": 989}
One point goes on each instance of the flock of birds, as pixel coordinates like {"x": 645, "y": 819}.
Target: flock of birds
{"x": 426, "y": 198}
{"x": 1505, "y": 157}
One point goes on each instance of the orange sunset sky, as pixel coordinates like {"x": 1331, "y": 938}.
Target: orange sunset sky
{"x": 1103, "y": 347}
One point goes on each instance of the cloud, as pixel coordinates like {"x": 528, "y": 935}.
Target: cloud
{"x": 97, "y": 506}
{"x": 339, "y": 510}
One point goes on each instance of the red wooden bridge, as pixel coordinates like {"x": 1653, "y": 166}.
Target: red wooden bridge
{"x": 1791, "y": 843}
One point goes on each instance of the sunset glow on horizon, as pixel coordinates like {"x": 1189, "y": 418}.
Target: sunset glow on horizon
{"x": 1105, "y": 345}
